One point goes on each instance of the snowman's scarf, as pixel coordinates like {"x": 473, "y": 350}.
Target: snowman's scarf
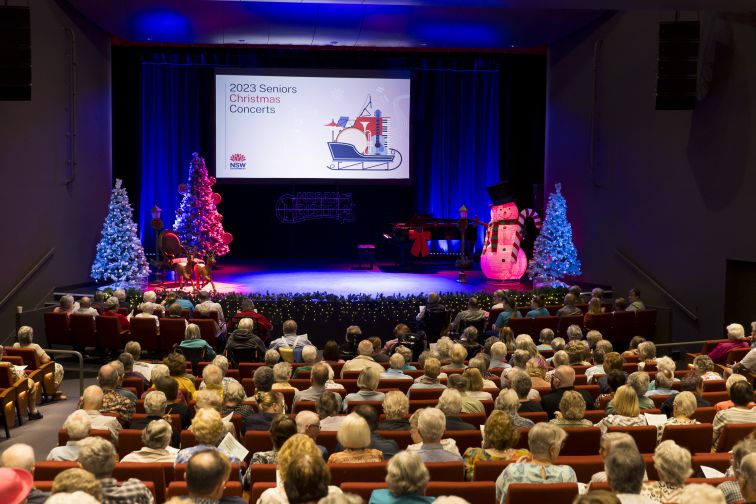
{"x": 493, "y": 232}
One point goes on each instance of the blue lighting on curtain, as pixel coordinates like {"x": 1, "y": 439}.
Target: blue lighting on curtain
{"x": 161, "y": 24}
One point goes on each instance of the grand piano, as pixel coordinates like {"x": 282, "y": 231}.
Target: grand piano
{"x": 417, "y": 239}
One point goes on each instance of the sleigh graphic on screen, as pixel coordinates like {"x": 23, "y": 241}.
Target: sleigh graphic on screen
{"x": 363, "y": 143}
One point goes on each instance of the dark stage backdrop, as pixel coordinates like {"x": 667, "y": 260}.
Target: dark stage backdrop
{"x": 476, "y": 119}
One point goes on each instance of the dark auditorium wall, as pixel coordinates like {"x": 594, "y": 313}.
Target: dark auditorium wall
{"x": 39, "y": 211}
{"x": 673, "y": 190}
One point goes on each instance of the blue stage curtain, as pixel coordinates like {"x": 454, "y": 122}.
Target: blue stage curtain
{"x": 455, "y": 132}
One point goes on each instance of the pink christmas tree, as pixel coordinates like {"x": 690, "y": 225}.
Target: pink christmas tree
{"x": 198, "y": 222}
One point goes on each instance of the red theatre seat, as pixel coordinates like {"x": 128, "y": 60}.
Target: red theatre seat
{"x": 446, "y": 471}
{"x": 152, "y": 471}
{"x": 258, "y": 488}
{"x": 696, "y": 437}
{"x": 644, "y": 435}
{"x": 366, "y": 472}
{"x": 553, "y": 493}
{"x": 732, "y": 433}
{"x": 581, "y": 441}
{"x": 705, "y": 414}
{"x": 364, "y": 490}
{"x": 178, "y": 489}
{"x": 46, "y": 470}
{"x": 263, "y": 473}
{"x": 483, "y": 492}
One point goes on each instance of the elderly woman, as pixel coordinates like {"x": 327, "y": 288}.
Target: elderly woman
{"x": 77, "y": 427}
{"x": 499, "y": 438}
{"x": 177, "y": 368}
{"x": 626, "y": 410}
{"x": 327, "y": 407}
{"x": 646, "y": 355}
{"x": 233, "y": 399}
{"x": 431, "y": 370}
{"x": 270, "y": 405}
{"x": 26, "y": 340}
{"x": 367, "y": 383}
{"x": 450, "y": 404}
{"x": 156, "y": 438}
{"x": 536, "y": 369}
{"x": 298, "y": 446}
{"x": 448, "y": 444}
{"x": 193, "y": 339}
{"x": 458, "y": 355}
{"x": 736, "y": 339}
{"x": 610, "y": 442}
{"x": 571, "y": 411}
{"x": 395, "y": 409}
{"x": 480, "y": 364}
{"x": 638, "y": 381}
{"x": 354, "y": 436}
{"x": 632, "y": 349}
{"x": 406, "y": 477}
{"x": 704, "y": 367}
{"x": 281, "y": 429}
{"x": 684, "y": 406}
{"x": 32, "y": 395}
{"x": 508, "y": 402}
{"x": 272, "y": 357}
{"x": 470, "y": 340}
{"x": 545, "y": 440}
{"x": 731, "y": 489}
{"x": 212, "y": 378}
{"x": 663, "y": 364}
{"x": 662, "y": 384}
{"x": 578, "y": 352}
{"x": 281, "y": 377}
{"x": 560, "y": 358}
{"x": 672, "y": 464}
{"x": 475, "y": 385}
{"x": 444, "y": 347}
{"x": 209, "y": 431}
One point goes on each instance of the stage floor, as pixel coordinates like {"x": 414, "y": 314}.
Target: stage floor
{"x": 288, "y": 276}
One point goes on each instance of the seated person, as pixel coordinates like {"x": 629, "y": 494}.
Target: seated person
{"x": 569, "y": 309}
{"x": 499, "y": 439}
{"x": 155, "y": 405}
{"x": 395, "y": 410}
{"x": 77, "y": 427}
{"x": 396, "y": 369}
{"x": 736, "y": 339}
{"x": 431, "y": 424}
{"x": 633, "y": 296}
{"x": 243, "y": 339}
{"x": 156, "y": 437}
{"x": 354, "y": 436}
{"x": 193, "y": 339}
{"x": 538, "y": 309}
{"x": 741, "y": 394}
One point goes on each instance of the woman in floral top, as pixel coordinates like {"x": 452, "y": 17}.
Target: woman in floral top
{"x": 684, "y": 406}
{"x": 672, "y": 463}
{"x": 571, "y": 411}
{"x": 704, "y": 367}
{"x": 626, "y": 408}
{"x": 354, "y": 436}
{"x": 282, "y": 428}
{"x": 499, "y": 438}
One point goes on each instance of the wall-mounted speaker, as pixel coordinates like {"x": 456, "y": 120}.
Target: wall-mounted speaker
{"x": 15, "y": 53}
{"x": 677, "y": 70}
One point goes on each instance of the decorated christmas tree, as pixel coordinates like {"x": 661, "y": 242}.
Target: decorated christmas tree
{"x": 198, "y": 222}
{"x": 554, "y": 254}
{"x": 120, "y": 255}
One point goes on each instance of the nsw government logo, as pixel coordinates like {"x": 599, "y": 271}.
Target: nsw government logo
{"x": 238, "y": 162}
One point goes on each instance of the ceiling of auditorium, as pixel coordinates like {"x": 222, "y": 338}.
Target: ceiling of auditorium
{"x": 490, "y": 24}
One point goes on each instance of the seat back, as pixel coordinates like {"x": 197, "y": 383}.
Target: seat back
{"x": 239, "y": 355}
{"x": 644, "y": 435}
{"x": 695, "y": 437}
{"x": 187, "y": 439}
{"x": 327, "y": 439}
{"x": 46, "y": 470}
{"x": 178, "y": 489}
{"x": 134, "y": 382}
{"x": 401, "y": 384}
{"x": 535, "y": 416}
{"x": 645, "y": 323}
{"x": 493, "y": 314}
{"x": 483, "y": 492}
{"x": 465, "y": 438}
{"x": 594, "y": 415}
{"x": 715, "y": 397}
{"x": 553, "y": 493}
{"x": 479, "y": 324}
{"x": 520, "y": 325}
{"x": 172, "y": 332}
{"x": 736, "y": 354}
{"x": 247, "y": 369}
{"x": 426, "y": 393}
{"x": 623, "y": 328}
{"x": 129, "y": 440}
{"x": 585, "y": 466}
{"x": 27, "y": 354}
{"x": 378, "y": 405}
{"x": 719, "y": 461}
{"x": 581, "y": 441}
{"x": 103, "y": 433}
{"x": 144, "y": 330}
{"x": 83, "y": 330}
{"x": 207, "y": 330}
{"x": 601, "y": 322}
{"x": 446, "y": 471}
{"x": 263, "y": 473}
{"x": 732, "y": 433}
{"x": 714, "y": 386}
{"x": 151, "y": 471}
{"x": 363, "y": 489}
{"x": 705, "y": 414}
{"x": 108, "y": 331}
{"x": 193, "y": 355}
{"x": 364, "y": 471}
{"x": 175, "y": 419}
{"x": 434, "y": 324}
{"x": 542, "y": 323}
{"x": 180, "y": 469}
{"x": 591, "y": 389}
{"x": 256, "y": 441}
{"x": 403, "y": 438}
{"x": 56, "y": 329}
{"x": 489, "y": 470}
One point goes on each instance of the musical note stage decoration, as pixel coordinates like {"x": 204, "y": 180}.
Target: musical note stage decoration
{"x": 305, "y": 206}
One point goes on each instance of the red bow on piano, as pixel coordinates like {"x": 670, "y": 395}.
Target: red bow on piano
{"x": 419, "y": 242}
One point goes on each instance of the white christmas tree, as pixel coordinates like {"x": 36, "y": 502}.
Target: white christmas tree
{"x": 120, "y": 255}
{"x": 554, "y": 254}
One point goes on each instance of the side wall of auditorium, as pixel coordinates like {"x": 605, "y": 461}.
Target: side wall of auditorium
{"x": 672, "y": 190}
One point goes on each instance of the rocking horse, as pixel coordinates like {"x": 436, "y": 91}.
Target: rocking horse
{"x": 203, "y": 272}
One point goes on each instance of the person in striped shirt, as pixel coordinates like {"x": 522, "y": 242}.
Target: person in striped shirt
{"x": 741, "y": 394}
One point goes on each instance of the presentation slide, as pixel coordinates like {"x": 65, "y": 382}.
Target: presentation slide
{"x": 301, "y": 125}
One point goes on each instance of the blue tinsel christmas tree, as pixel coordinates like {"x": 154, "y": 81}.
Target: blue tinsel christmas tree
{"x": 120, "y": 255}
{"x": 554, "y": 254}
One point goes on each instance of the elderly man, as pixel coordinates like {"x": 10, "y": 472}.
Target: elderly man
{"x": 318, "y": 379}
{"x": 634, "y": 300}
{"x": 155, "y": 404}
{"x": 121, "y": 370}
{"x": 434, "y": 306}
{"x": 85, "y": 307}
{"x": 473, "y": 314}
{"x": 77, "y": 427}
{"x": 308, "y": 422}
{"x": 309, "y": 356}
{"x": 112, "y": 401}
{"x": 625, "y": 470}
{"x": 431, "y": 426}
{"x": 127, "y": 360}
{"x": 363, "y": 360}
{"x": 450, "y": 404}
{"x": 461, "y": 384}
{"x": 21, "y": 456}
{"x": 206, "y": 475}
{"x": 396, "y": 369}
{"x": 98, "y": 457}
{"x": 562, "y": 381}
{"x": 499, "y": 356}
{"x": 569, "y": 309}
{"x": 290, "y": 339}
{"x": 149, "y": 311}
{"x": 149, "y": 299}
{"x": 156, "y": 439}
{"x": 67, "y": 306}
{"x": 431, "y": 370}
{"x": 245, "y": 340}
{"x": 91, "y": 404}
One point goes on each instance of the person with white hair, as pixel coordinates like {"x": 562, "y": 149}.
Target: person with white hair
{"x": 243, "y": 339}
{"x": 281, "y": 377}
{"x": 450, "y": 404}
{"x": 354, "y": 436}
{"x": 396, "y": 369}
{"x": 545, "y": 441}
{"x": 395, "y": 409}
{"x": 148, "y": 311}
{"x": 25, "y": 337}
{"x": 457, "y": 355}
{"x": 67, "y": 305}
{"x": 431, "y": 425}
{"x": 91, "y": 404}
{"x": 77, "y": 427}
{"x": 701, "y": 493}
{"x": 209, "y": 430}
{"x": 193, "y": 340}
{"x": 155, "y": 405}
{"x": 364, "y": 359}
{"x": 85, "y": 307}
{"x": 20, "y": 457}
{"x": 499, "y": 356}
{"x": 673, "y": 465}
{"x": 625, "y": 471}
{"x": 406, "y": 477}
{"x": 684, "y": 407}
{"x": 731, "y": 489}
{"x": 613, "y": 441}
{"x": 77, "y": 497}
{"x": 662, "y": 364}
{"x": 508, "y": 402}
{"x": 736, "y": 338}
{"x": 319, "y": 376}
{"x": 308, "y": 423}
{"x": 704, "y": 367}
{"x": 98, "y": 456}
{"x": 156, "y": 438}
{"x": 574, "y": 333}
{"x": 367, "y": 383}
{"x": 309, "y": 357}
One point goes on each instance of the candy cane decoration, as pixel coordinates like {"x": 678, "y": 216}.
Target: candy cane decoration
{"x": 524, "y": 214}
